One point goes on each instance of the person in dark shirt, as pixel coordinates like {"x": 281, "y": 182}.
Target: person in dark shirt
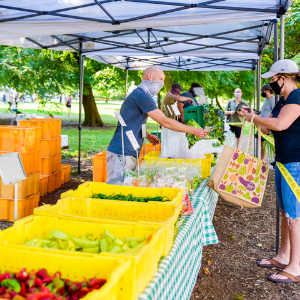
{"x": 184, "y": 104}
{"x": 284, "y": 123}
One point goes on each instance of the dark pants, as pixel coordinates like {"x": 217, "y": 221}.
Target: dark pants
{"x": 236, "y": 130}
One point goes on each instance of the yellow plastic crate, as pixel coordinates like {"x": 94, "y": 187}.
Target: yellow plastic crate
{"x": 73, "y": 267}
{"x": 87, "y": 189}
{"x": 25, "y": 207}
{"x": 94, "y": 210}
{"x": 143, "y": 263}
{"x": 205, "y": 163}
{"x": 26, "y": 187}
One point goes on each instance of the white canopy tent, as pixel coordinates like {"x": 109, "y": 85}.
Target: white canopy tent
{"x": 51, "y": 17}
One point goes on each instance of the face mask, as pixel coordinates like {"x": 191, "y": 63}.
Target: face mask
{"x": 151, "y": 87}
{"x": 276, "y": 87}
{"x": 264, "y": 95}
{"x": 238, "y": 95}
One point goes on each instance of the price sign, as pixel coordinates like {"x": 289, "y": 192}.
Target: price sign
{"x": 132, "y": 140}
{"x": 175, "y": 109}
{"x": 120, "y": 119}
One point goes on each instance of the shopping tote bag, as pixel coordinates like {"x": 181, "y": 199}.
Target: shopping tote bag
{"x": 239, "y": 177}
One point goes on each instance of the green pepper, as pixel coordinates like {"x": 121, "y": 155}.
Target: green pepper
{"x": 135, "y": 249}
{"x": 91, "y": 250}
{"x": 70, "y": 246}
{"x": 137, "y": 239}
{"x": 57, "y": 235}
{"x": 118, "y": 242}
{"x": 132, "y": 244}
{"x": 84, "y": 243}
{"x": 115, "y": 249}
{"x": 62, "y": 244}
{"x": 104, "y": 245}
{"x": 108, "y": 234}
{"x": 11, "y": 284}
{"x": 31, "y": 242}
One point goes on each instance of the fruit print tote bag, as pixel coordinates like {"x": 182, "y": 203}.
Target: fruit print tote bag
{"x": 239, "y": 177}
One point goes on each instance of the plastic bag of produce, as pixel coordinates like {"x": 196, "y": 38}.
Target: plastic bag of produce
{"x": 173, "y": 144}
{"x": 202, "y": 147}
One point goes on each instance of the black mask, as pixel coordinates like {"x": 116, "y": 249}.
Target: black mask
{"x": 192, "y": 93}
{"x": 276, "y": 87}
{"x": 264, "y": 95}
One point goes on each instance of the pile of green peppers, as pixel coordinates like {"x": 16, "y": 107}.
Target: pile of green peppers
{"x": 56, "y": 239}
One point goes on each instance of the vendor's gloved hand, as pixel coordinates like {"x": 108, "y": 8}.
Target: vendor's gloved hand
{"x": 200, "y": 133}
{"x": 153, "y": 139}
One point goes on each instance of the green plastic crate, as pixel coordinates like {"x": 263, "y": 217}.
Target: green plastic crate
{"x": 195, "y": 113}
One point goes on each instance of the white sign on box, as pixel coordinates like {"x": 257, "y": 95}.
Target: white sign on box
{"x": 120, "y": 119}
{"x": 64, "y": 141}
{"x": 132, "y": 140}
{"x": 175, "y": 109}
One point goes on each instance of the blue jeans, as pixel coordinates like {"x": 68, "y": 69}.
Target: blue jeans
{"x": 285, "y": 197}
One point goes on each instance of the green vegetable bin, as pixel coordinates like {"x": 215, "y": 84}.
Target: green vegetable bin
{"x": 195, "y": 113}
{"x": 157, "y": 133}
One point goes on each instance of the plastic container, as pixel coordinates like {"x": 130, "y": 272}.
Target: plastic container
{"x": 51, "y": 183}
{"x": 51, "y": 147}
{"x": 43, "y": 185}
{"x": 99, "y": 167}
{"x": 94, "y": 210}
{"x": 51, "y": 164}
{"x": 19, "y": 139}
{"x": 25, "y": 207}
{"x": 27, "y": 187}
{"x": 57, "y": 179}
{"x": 195, "y": 113}
{"x": 205, "y": 163}
{"x": 150, "y": 147}
{"x": 73, "y": 267}
{"x": 87, "y": 189}
{"x": 30, "y": 161}
{"x": 143, "y": 263}
{"x": 65, "y": 173}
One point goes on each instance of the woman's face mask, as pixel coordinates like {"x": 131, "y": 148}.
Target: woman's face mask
{"x": 151, "y": 87}
{"x": 276, "y": 87}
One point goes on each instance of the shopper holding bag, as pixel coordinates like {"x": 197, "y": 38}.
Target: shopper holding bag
{"x": 284, "y": 123}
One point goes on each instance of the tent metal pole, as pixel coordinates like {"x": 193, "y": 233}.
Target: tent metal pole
{"x": 281, "y": 50}
{"x": 126, "y": 83}
{"x": 81, "y": 72}
{"x": 276, "y": 100}
{"x": 258, "y": 94}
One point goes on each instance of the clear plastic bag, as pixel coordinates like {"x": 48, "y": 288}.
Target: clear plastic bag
{"x": 202, "y": 147}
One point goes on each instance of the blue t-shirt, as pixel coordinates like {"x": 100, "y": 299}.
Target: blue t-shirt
{"x": 287, "y": 142}
{"x": 134, "y": 112}
{"x": 187, "y": 103}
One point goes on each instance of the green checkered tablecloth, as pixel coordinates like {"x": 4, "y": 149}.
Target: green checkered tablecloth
{"x": 177, "y": 272}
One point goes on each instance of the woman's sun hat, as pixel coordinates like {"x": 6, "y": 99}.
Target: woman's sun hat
{"x": 282, "y": 66}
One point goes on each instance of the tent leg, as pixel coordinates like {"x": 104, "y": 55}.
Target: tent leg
{"x": 126, "y": 83}
{"x": 258, "y": 94}
{"x": 81, "y": 71}
{"x": 281, "y": 50}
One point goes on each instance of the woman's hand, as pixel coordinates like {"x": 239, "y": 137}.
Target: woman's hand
{"x": 246, "y": 114}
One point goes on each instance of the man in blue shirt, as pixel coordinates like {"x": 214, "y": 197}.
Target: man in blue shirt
{"x": 135, "y": 111}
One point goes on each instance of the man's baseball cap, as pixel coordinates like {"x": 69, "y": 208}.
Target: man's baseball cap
{"x": 177, "y": 86}
{"x": 282, "y": 66}
{"x": 266, "y": 87}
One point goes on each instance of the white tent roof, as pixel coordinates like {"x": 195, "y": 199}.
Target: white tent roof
{"x": 177, "y": 63}
{"x": 231, "y": 32}
{"x": 51, "y": 17}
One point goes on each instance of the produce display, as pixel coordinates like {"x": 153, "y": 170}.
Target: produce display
{"x": 213, "y": 121}
{"x": 157, "y": 174}
{"x": 41, "y": 286}
{"x": 129, "y": 197}
{"x": 56, "y": 239}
